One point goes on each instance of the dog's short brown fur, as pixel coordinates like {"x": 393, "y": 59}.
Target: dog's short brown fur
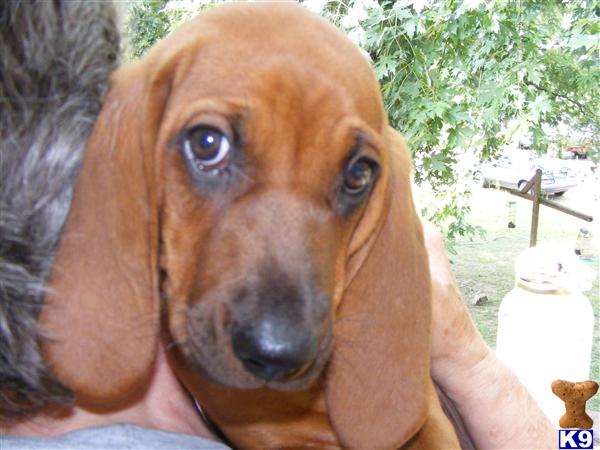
{"x": 271, "y": 239}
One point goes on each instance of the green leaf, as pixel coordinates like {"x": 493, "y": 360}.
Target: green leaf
{"x": 409, "y": 27}
{"x": 385, "y": 66}
{"x": 400, "y": 12}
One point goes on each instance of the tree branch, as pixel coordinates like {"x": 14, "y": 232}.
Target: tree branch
{"x": 556, "y": 95}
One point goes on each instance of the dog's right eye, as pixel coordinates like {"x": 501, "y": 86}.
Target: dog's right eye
{"x": 356, "y": 182}
{"x": 359, "y": 176}
{"x": 208, "y": 148}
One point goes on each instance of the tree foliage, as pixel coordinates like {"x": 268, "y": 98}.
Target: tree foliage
{"x": 147, "y": 23}
{"x": 461, "y": 78}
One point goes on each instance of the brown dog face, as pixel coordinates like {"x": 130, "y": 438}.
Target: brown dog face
{"x": 271, "y": 157}
{"x": 244, "y": 170}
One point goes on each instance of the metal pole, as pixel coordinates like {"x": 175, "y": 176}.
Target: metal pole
{"x": 535, "y": 213}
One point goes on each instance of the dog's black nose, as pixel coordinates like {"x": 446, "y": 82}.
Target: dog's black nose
{"x": 274, "y": 349}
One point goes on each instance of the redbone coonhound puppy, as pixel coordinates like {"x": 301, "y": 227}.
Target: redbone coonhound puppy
{"x": 243, "y": 181}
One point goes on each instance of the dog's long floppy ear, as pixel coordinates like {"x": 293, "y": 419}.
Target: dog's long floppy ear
{"x": 378, "y": 376}
{"x": 101, "y": 314}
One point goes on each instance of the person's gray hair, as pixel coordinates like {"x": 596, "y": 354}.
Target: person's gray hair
{"x": 55, "y": 60}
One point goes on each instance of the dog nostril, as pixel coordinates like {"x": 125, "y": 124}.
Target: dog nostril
{"x": 273, "y": 351}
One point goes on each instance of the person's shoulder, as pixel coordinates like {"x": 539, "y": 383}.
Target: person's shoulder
{"x": 113, "y": 437}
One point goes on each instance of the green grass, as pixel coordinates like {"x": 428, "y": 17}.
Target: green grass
{"x": 486, "y": 266}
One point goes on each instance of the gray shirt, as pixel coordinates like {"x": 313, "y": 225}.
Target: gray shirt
{"x": 113, "y": 437}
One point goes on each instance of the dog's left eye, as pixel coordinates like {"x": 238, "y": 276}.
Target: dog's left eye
{"x": 359, "y": 176}
{"x": 208, "y": 148}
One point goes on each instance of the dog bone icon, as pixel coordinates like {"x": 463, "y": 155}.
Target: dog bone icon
{"x": 575, "y": 395}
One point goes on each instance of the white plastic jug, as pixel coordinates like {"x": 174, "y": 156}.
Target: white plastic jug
{"x": 546, "y": 324}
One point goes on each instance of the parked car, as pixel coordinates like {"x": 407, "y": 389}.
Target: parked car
{"x": 506, "y": 172}
{"x": 577, "y": 152}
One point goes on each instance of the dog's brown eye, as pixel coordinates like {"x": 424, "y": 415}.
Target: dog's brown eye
{"x": 208, "y": 148}
{"x": 359, "y": 176}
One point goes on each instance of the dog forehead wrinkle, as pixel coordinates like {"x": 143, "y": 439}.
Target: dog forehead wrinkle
{"x": 302, "y": 141}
